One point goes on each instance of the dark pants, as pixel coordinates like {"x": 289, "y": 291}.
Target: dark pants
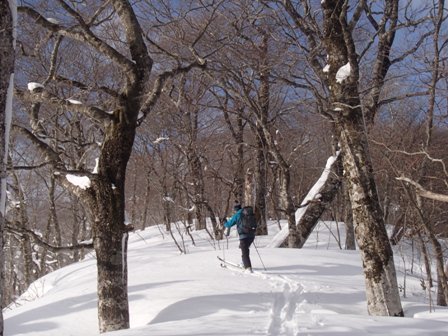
{"x": 244, "y": 246}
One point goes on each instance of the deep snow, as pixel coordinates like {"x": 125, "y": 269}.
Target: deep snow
{"x": 317, "y": 290}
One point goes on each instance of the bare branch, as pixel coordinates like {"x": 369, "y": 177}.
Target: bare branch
{"x": 85, "y": 87}
{"x": 402, "y": 97}
{"x": 423, "y": 192}
{"x": 42, "y": 147}
{"x": 43, "y": 96}
{"x": 159, "y": 83}
{"x": 25, "y": 232}
{"x": 424, "y": 153}
{"x": 84, "y": 36}
{"x": 357, "y": 15}
{"x": 53, "y": 59}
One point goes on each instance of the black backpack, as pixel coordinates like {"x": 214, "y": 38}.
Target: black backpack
{"x": 248, "y": 223}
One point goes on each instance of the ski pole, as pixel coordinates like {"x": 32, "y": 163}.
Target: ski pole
{"x": 227, "y": 238}
{"x": 259, "y": 256}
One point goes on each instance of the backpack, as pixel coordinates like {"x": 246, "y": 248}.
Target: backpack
{"x": 248, "y": 222}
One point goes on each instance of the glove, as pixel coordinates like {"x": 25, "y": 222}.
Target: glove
{"x": 227, "y": 232}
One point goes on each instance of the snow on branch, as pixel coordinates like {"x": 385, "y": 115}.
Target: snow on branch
{"x": 38, "y": 94}
{"x": 32, "y": 86}
{"x": 343, "y": 73}
{"x": 82, "y": 182}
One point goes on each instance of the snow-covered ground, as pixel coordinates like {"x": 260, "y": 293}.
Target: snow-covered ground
{"x": 317, "y": 290}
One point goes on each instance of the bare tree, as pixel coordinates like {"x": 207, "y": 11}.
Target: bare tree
{"x": 341, "y": 78}
{"x": 132, "y": 100}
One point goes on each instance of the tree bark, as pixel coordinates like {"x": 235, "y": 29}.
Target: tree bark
{"x": 30, "y": 271}
{"x": 260, "y": 184}
{"x": 350, "y": 240}
{"x": 107, "y": 203}
{"x": 379, "y": 268}
{"x": 6, "y": 82}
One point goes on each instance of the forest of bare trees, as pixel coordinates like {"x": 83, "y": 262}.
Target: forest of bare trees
{"x": 129, "y": 114}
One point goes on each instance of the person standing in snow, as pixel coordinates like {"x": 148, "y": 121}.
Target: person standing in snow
{"x": 246, "y": 223}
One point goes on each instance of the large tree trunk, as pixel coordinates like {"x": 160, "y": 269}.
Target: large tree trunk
{"x": 110, "y": 243}
{"x": 379, "y": 268}
{"x": 342, "y": 80}
{"x": 6, "y": 82}
{"x": 110, "y": 234}
{"x": 131, "y": 99}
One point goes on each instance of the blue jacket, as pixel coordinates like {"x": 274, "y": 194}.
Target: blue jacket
{"x": 236, "y": 219}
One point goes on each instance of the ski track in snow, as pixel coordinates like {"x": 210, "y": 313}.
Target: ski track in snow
{"x": 284, "y": 307}
{"x": 288, "y": 304}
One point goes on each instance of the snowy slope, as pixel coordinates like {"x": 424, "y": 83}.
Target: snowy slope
{"x": 318, "y": 290}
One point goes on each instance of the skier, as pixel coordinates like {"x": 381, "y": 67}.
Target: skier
{"x": 245, "y": 221}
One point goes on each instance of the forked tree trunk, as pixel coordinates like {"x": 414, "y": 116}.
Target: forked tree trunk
{"x": 135, "y": 98}
{"x": 342, "y": 79}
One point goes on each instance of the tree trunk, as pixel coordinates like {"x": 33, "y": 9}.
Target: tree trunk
{"x": 379, "y": 268}
{"x": 239, "y": 171}
{"x": 147, "y": 199}
{"x": 30, "y": 271}
{"x": 53, "y": 219}
{"x": 110, "y": 243}
{"x": 110, "y": 234}
{"x": 342, "y": 79}
{"x": 260, "y": 185}
{"x": 262, "y": 143}
{"x": 6, "y": 82}
{"x": 350, "y": 242}
{"x": 194, "y": 162}
{"x": 288, "y": 206}
{"x": 249, "y": 197}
